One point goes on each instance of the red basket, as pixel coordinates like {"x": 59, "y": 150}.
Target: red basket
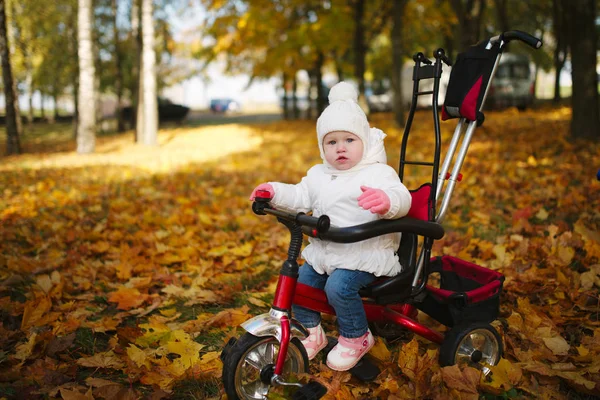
{"x": 467, "y": 292}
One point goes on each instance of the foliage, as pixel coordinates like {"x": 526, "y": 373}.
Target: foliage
{"x": 124, "y": 273}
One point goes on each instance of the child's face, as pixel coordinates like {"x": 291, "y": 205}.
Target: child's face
{"x": 343, "y": 150}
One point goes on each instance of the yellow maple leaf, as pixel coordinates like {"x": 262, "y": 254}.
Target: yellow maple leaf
{"x": 107, "y": 359}
{"x": 408, "y": 359}
{"x": 380, "y": 350}
{"x": 35, "y": 310}
{"x": 100, "y": 247}
{"x": 127, "y": 298}
{"x": 244, "y": 250}
{"x": 138, "y": 356}
{"x": 503, "y": 377}
{"x": 24, "y": 350}
{"x": 464, "y": 380}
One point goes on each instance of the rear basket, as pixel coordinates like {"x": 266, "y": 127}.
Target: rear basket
{"x": 467, "y": 292}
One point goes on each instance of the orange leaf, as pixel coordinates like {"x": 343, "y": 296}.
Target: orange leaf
{"x": 127, "y": 298}
{"x": 34, "y": 312}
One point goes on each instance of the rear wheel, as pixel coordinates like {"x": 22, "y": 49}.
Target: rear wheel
{"x": 476, "y": 344}
{"x": 250, "y": 364}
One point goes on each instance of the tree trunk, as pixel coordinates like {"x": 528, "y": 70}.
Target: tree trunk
{"x": 321, "y": 102}
{"x": 311, "y": 84}
{"x": 295, "y": 110}
{"x": 338, "y": 66}
{"x": 149, "y": 73}
{"x": 30, "y": 93}
{"x": 55, "y": 100}
{"x": 561, "y": 49}
{"x": 86, "y": 130}
{"x": 469, "y": 21}
{"x": 118, "y": 71}
{"x": 502, "y": 15}
{"x": 360, "y": 50}
{"x": 585, "y": 122}
{"x": 398, "y": 98}
{"x": 13, "y": 144}
{"x": 284, "y": 100}
{"x": 136, "y": 38}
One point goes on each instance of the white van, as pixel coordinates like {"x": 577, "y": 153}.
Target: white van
{"x": 513, "y": 84}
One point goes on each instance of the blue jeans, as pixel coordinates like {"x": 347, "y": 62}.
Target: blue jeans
{"x": 342, "y": 288}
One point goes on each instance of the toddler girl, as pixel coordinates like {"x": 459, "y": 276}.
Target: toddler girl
{"x": 353, "y": 185}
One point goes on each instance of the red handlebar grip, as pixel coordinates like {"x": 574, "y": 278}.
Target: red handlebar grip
{"x": 263, "y": 194}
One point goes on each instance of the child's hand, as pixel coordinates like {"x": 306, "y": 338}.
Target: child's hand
{"x": 374, "y": 200}
{"x": 263, "y": 186}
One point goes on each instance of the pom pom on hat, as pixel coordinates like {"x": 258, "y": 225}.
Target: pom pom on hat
{"x": 343, "y": 114}
{"x": 343, "y": 91}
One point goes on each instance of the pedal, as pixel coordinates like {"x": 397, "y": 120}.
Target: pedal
{"x": 313, "y": 390}
{"x": 365, "y": 370}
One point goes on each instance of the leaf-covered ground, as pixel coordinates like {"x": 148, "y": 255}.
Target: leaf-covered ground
{"x": 124, "y": 273}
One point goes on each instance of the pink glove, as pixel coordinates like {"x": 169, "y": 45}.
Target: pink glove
{"x": 374, "y": 200}
{"x": 263, "y": 186}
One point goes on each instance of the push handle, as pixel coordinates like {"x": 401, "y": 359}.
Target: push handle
{"x": 421, "y": 57}
{"x": 441, "y": 54}
{"x": 523, "y": 37}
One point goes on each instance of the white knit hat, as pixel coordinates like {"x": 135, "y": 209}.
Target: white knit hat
{"x": 343, "y": 114}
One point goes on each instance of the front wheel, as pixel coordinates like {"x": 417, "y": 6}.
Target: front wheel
{"x": 250, "y": 363}
{"x": 477, "y": 344}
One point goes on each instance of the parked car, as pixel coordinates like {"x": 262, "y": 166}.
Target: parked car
{"x": 167, "y": 111}
{"x": 224, "y": 105}
{"x": 513, "y": 85}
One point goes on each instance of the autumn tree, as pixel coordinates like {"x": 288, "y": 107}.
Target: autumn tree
{"x": 86, "y": 130}
{"x": 398, "y": 60}
{"x": 13, "y": 145}
{"x": 561, "y": 46}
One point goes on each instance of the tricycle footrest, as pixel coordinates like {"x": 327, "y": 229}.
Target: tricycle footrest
{"x": 313, "y": 390}
{"x": 365, "y": 370}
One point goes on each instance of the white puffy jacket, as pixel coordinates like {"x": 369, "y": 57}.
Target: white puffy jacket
{"x": 335, "y": 195}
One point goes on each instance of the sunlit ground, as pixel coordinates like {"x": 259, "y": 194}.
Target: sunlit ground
{"x": 52, "y": 146}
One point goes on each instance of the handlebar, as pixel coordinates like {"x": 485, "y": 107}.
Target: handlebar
{"x": 518, "y": 35}
{"x": 320, "y": 227}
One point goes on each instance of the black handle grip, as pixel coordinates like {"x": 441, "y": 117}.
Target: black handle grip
{"x": 523, "y": 37}
{"x": 441, "y": 54}
{"x": 421, "y": 57}
{"x": 321, "y": 224}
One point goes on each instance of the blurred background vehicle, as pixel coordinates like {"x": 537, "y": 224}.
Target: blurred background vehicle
{"x": 224, "y": 105}
{"x": 514, "y": 83}
{"x": 167, "y": 111}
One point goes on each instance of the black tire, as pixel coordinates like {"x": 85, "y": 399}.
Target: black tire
{"x": 250, "y": 356}
{"x": 476, "y": 343}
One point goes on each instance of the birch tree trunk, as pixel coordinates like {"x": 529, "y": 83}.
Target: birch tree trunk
{"x": 86, "y": 129}
{"x": 13, "y": 145}
{"x": 150, "y": 108}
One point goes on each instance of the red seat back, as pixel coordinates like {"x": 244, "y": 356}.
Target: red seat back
{"x": 419, "y": 208}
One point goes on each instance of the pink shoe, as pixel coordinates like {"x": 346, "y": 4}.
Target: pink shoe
{"x": 348, "y": 352}
{"x": 315, "y": 342}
